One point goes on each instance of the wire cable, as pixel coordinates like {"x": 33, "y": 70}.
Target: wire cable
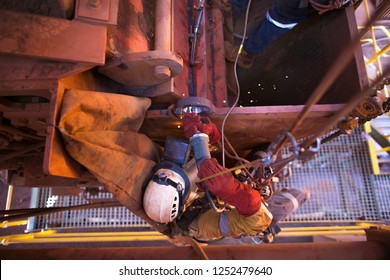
{"x": 237, "y": 83}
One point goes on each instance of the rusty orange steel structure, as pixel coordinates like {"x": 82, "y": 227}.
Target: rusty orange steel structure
{"x": 144, "y": 48}
{"x": 376, "y": 247}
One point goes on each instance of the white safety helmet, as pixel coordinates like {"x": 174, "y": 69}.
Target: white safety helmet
{"x": 166, "y": 192}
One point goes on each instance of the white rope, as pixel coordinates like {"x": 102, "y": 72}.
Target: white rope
{"x": 237, "y": 83}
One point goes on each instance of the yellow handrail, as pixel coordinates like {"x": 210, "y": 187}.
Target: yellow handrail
{"x": 52, "y": 236}
{"x": 7, "y": 224}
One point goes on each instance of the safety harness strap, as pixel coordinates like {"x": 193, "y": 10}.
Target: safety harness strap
{"x": 223, "y": 224}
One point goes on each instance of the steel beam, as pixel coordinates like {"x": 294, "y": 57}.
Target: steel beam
{"x": 51, "y": 8}
{"x": 297, "y": 251}
{"x": 22, "y": 68}
{"x": 258, "y": 124}
{"x": 51, "y": 38}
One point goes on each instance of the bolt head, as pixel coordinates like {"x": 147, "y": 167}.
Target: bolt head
{"x": 162, "y": 72}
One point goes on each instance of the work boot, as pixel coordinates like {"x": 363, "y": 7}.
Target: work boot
{"x": 245, "y": 60}
{"x": 224, "y": 5}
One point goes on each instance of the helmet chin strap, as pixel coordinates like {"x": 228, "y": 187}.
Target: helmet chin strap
{"x": 162, "y": 179}
{"x": 168, "y": 182}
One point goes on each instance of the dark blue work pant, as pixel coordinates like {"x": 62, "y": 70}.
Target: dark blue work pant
{"x": 282, "y": 11}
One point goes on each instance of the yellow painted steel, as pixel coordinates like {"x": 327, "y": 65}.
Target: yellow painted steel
{"x": 378, "y": 54}
{"x": 387, "y": 149}
{"x": 52, "y": 236}
{"x": 322, "y": 233}
{"x": 93, "y": 234}
{"x": 31, "y": 240}
{"x": 373, "y": 38}
{"x": 9, "y": 197}
{"x": 378, "y": 51}
{"x": 326, "y": 228}
{"x": 372, "y": 151}
{"x": 13, "y": 224}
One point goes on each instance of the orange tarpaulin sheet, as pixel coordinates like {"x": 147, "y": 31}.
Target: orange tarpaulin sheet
{"x": 100, "y": 131}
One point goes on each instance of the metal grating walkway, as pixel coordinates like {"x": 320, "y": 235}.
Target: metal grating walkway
{"x": 342, "y": 186}
{"x": 113, "y": 217}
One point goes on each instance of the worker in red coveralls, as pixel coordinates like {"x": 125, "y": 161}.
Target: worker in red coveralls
{"x": 250, "y": 214}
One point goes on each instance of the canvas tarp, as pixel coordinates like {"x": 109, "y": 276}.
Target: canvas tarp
{"x": 100, "y": 131}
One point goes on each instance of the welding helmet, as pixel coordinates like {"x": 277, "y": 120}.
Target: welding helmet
{"x": 166, "y": 192}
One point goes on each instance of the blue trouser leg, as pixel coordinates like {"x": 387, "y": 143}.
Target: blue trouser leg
{"x": 260, "y": 38}
{"x": 239, "y": 5}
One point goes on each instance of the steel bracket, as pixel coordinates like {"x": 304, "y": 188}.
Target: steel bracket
{"x": 103, "y": 12}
